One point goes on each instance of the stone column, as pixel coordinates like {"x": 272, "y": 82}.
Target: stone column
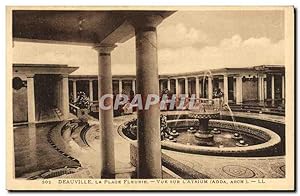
{"x": 91, "y": 90}
{"x": 210, "y": 87}
{"x": 106, "y": 116}
{"x": 148, "y": 137}
{"x": 30, "y": 99}
{"x": 239, "y": 89}
{"x": 273, "y": 87}
{"x": 225, "y": 82}
{"x": 169, "y": 84}
{"x": 186, "y": 87}
{"x": 197, "y": 87}
{"x": 261, "y": 88}
{"x": 201, "y": 87}
{"x": 74, "y": 90}
{"x": 258, "y": 88}
{"x": 283, "y": 87}
{"x": 133, "y": 85}
{"x": 265, "y": 88}
{"x": 120, "y": 86}
{"x": 65, "y": 97}
{"x": 177, "y": 87}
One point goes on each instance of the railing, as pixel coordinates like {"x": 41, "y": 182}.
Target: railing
{"x": 77, "y": 111}
{"x": 94, "y": 106}
{"x": 74, "y": 109}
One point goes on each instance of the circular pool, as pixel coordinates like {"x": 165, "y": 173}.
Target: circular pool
{"x": 229, "y": 138}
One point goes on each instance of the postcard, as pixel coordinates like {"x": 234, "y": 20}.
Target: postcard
{"x": 150, "y": 98}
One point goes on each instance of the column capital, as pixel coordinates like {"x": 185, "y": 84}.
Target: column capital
{"x": 260, "y": 75}
{"x": 104, "y": 48}
{"x": 30, "y": 75}
{"x": 62, "y": 76}
{"x": 145, "y": 21}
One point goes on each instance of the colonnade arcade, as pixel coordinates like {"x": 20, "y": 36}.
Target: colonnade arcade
{"x": 261, "y": 87}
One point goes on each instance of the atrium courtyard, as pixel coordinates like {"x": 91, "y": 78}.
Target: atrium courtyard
{"x": 80, "y": 106}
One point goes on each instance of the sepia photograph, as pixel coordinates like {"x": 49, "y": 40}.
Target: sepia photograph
{"x": 150, "y": 98}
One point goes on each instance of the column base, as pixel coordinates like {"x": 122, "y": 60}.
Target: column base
{"x": 106, "y": 175}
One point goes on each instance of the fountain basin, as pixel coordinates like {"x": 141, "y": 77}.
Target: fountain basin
{"x": 204, "y": 115}
{"x": 266, "y": 141}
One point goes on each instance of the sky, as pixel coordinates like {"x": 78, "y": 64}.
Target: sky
{"x": 187, "y": 41}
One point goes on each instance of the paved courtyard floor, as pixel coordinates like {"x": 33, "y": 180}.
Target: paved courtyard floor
{"x": 34, "y": 154}
{"x": 232, "y": 167}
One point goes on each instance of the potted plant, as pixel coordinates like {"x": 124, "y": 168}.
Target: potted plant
{"x": 83, "y": 103}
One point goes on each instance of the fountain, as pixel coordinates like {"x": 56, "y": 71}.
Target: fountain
{"x": 200, "y": 130}
{"x": 166, "y": 132}
{"x": 203, "y": 135}
{"x": 203, "y": 115}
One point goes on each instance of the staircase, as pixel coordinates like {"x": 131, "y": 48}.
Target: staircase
{"x": 58, "y": 113}
{"x": 252, "y": 108}
{"x": 49, "y": 114}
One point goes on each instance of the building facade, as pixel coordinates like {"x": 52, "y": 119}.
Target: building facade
{"x": 238, "y": 85}
{"x": 39, "y": 92}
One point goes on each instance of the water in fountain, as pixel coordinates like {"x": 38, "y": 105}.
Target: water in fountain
{"x": 179, "y": 115}
{"x": 231, "y": 114}
{"x": 201, "y": 106}
{"x": 206, "y": 74}
{"x": 230, "y": 111}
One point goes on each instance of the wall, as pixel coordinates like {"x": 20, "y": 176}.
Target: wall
{"x": 173, "y": 88}
{"x": 221, "y": 85}
{"x": 192, "y": 86}
{"x": 115, "y": 85}
{"x": 83, "y": 85}
{"x": 20, "y": 109}
{"x": 181, "y": 86}
{"x": 48, "y": 93}
{"x": 127, "y": 87}
{"x": 250, "y": 90}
